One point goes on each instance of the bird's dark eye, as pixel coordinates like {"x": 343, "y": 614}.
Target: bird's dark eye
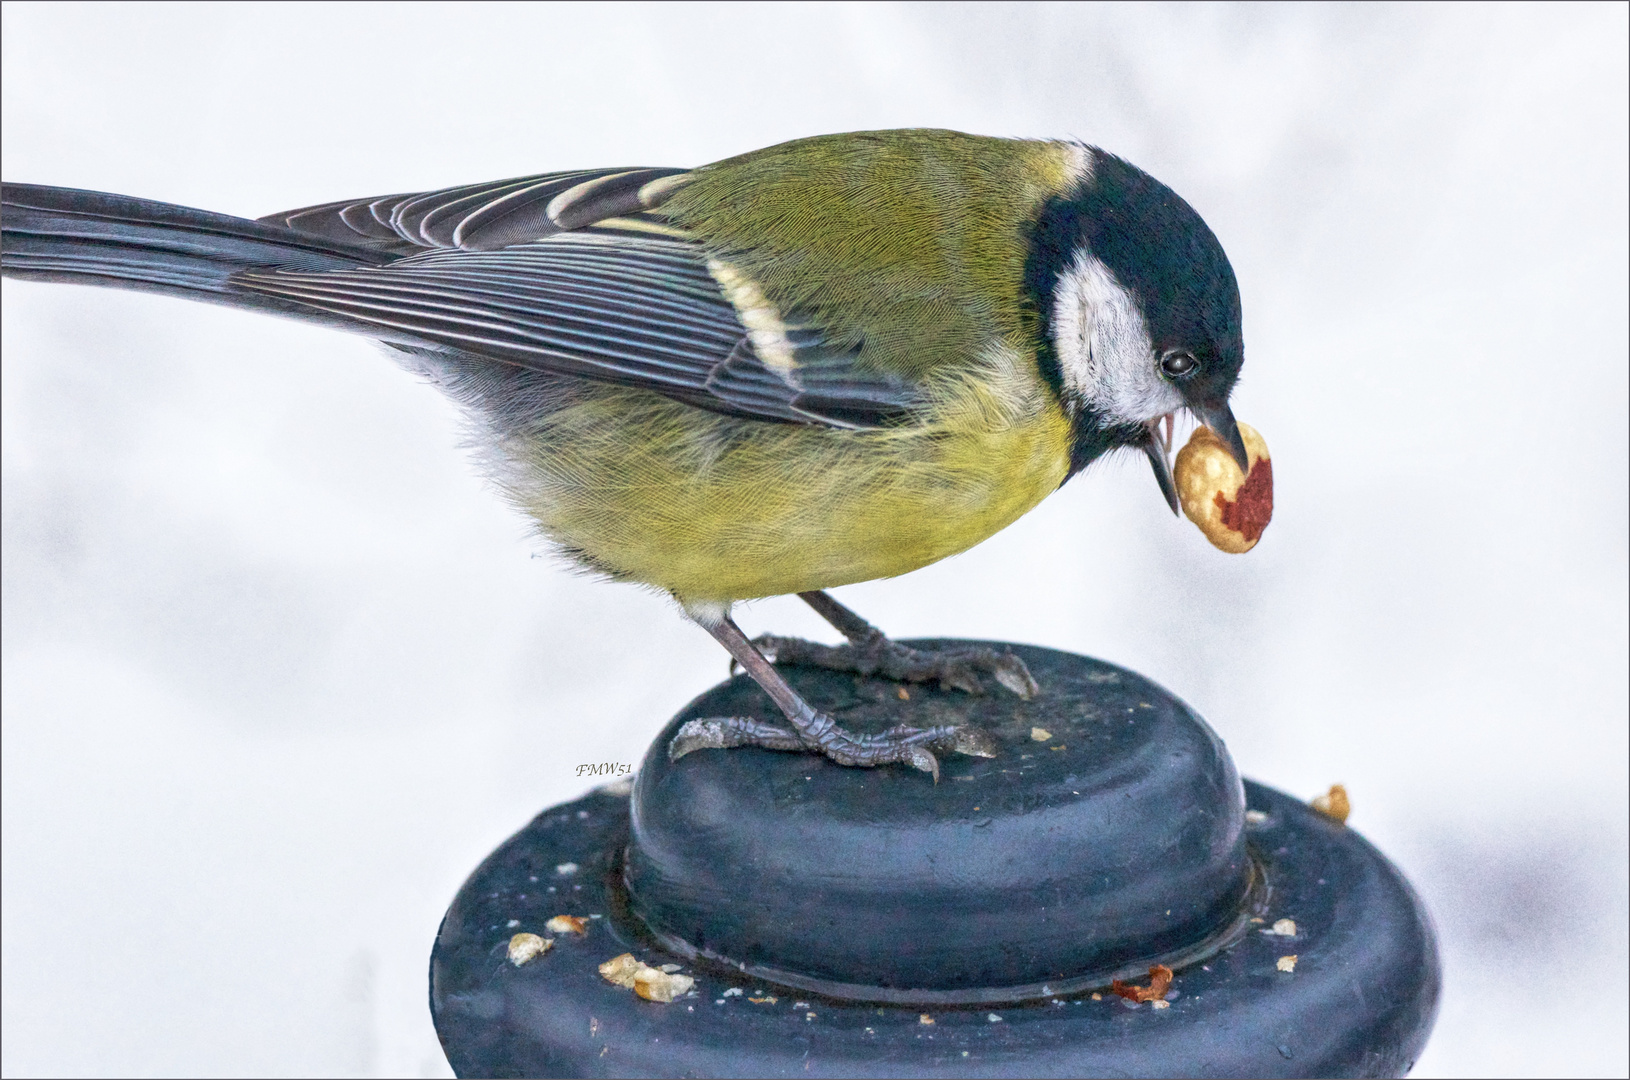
{"x": 1178, "y": 364}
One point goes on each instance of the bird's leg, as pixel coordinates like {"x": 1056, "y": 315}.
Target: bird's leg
{"x": 811, "y": 730}
{"x": 871, "y": 652}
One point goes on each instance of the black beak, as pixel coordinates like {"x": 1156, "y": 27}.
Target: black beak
{"x": 1220, "y": 419}
{"x": 1157, "y": 449}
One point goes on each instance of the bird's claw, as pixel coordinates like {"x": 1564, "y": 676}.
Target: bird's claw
{"x": 920, "y": 758}
{"x": 973, "y": 742}
{"x": 953, "y": 668}
{"x": 1012, "y": 673}
{"x": 723, "y": 732}
{"x": 902, "y": 744}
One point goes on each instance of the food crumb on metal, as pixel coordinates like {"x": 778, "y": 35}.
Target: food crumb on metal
{"x": 1040, "y": 734}
{"x": 1287, "y": 963}
{"x": 523, "y": 947}
{"x": 652, "y": 984}
{"x": 662, "y": 986}
{"x": 924, "y": 1018}
{"x": 1334, "y": 804}
{"x": 1160, "y": 980}
{"x": 620, "y": 970}
{"x": 1281, "y": 928}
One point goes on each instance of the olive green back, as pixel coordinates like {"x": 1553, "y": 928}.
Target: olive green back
{"x": 910, "y": 243}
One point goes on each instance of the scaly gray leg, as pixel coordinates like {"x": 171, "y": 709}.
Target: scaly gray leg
{"x": 813, "y": 730}
{"x": 870, "y": 652}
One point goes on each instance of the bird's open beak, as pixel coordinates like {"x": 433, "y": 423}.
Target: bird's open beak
{"x": 1220, "y": 419}
{"x": 1159, "y": 446}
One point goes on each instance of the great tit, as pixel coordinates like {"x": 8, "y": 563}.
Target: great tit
{"x": 835, "y": 359}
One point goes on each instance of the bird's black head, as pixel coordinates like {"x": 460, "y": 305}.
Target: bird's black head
{"x": 1138, "y": 308}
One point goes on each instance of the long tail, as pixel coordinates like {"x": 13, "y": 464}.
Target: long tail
{"x": 92, "y": 238}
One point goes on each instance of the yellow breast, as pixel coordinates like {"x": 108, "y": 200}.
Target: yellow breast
{"x": 714, "y": 508}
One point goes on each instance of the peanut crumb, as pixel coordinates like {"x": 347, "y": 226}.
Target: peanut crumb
{"x": 1160, "y": 980}
{"x": 1040, "y": 734}
{"x": 523, "y": 947}
{"x": 620, "y": 970}
{"x": 1287, "y": 963}
{"x": 567, "y": 924}
{"x": 652, "y": 984}
{"x": 1333, "y": 804}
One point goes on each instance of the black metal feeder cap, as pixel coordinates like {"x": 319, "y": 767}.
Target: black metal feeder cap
{"x": 870, "y": 922}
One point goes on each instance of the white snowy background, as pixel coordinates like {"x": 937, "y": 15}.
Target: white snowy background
{"x": 279, "y": 671}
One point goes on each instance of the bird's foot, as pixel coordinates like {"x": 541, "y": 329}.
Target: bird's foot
{"x": 906, "y": 745}
{"x": 955, "y": 667}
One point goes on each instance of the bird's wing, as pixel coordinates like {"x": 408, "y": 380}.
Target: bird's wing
{"x": 484, "y": 217}
{"x": 580, "y": 274}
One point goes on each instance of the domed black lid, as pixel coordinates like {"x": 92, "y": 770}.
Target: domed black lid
{"x": 1106, "y": 836}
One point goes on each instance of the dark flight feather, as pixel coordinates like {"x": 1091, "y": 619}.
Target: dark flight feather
{"x": 570, "y": 273}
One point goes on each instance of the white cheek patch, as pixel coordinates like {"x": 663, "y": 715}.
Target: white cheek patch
{"x": 1103, "y": 347}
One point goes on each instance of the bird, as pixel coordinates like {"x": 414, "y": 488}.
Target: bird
{"x": 832, "y": 360}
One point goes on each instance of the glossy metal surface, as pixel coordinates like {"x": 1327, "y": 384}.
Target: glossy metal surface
{"x": 1358, "y": 1000}
{"x": 1098, "y": 849}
